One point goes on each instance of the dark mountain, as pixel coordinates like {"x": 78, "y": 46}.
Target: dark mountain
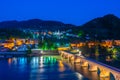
{"x": 107, "y": 21}
{"x": 36, "y": 24}
{"x": 106, "y": 27}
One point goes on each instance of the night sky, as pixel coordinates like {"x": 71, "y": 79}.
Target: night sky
{"x": 68, "y": 11}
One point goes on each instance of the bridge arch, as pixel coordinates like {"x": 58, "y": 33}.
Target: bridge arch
{"x": 112, "y": 77}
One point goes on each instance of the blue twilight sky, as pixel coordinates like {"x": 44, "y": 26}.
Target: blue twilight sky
{"x": 68, "y": 11}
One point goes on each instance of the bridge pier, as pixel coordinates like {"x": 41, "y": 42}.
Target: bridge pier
{"x": 76, "y": 60}
{"x": 69, "y": 58}
{"x": 84, "y": 64}
{"x": 93, "y": 68}
{"x": 104, "y": 74}
{"x": 72, "y": 58}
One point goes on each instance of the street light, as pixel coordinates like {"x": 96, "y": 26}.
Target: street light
{"x": 80, "y": 53}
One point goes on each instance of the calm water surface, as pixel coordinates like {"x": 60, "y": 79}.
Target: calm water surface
{"x": 37, "y": 68}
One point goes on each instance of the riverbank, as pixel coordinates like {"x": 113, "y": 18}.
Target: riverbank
{"x": 12, "y": 54}
{"x": 25, "y": 54}
{"x": 34, "y": 54}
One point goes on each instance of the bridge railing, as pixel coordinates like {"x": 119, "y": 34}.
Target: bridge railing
{"x": 110, "y": 67}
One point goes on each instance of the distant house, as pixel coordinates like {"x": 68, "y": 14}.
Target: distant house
{"x": 8, "y": 44}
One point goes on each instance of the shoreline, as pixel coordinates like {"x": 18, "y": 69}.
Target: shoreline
{"x": 23, "y": 54}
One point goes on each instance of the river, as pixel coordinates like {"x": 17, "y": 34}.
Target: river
{"x": 39, "y": 68}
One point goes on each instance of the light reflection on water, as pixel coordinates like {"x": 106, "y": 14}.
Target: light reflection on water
{"x": 37, "y": 68}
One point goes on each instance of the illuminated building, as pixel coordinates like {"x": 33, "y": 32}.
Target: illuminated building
{"x": 9, "y": 44}
{"x": 63, "y": 48}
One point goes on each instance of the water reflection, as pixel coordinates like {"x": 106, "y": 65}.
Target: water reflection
{"x": 37, "y": 68}
{"x": 61, "y": 66}
{"x": 9, "y": 61}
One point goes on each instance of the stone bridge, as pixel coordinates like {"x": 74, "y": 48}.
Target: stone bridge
{"x": 102, "y": 69}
